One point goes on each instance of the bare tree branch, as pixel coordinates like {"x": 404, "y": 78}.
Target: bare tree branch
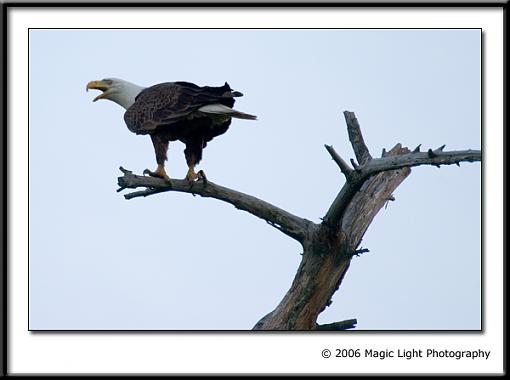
{"x": 356, "y": 138}
{"x": 389, "y": 162}
{"x": 344, "y": 166}
{"x": 342, "y": 325}
{"x": 282, "y": 220}
{"x": 432, "y": 157}
{"x": 335, "y": 212}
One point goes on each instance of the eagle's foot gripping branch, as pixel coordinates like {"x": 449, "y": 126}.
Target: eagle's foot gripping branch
{"x": 159, "y": 173}
{"x": 191, "y": 176}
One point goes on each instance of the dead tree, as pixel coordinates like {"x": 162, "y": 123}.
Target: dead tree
{"x": 328, "y": 247}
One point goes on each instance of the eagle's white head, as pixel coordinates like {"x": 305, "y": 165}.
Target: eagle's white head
{"x": 117, "y": 90}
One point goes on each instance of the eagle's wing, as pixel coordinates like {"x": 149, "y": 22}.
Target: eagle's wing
{"x": 169, "y": 103}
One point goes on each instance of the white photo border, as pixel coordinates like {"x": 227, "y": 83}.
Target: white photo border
{"x": 245, "y": 352}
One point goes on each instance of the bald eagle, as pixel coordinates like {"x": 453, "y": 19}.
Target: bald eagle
{"x": 173, "y": 111}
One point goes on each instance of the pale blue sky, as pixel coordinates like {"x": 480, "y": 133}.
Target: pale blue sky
{"x": 174, "y": 261}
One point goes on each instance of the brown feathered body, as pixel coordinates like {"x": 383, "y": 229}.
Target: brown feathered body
{"x": 171, "y": 111}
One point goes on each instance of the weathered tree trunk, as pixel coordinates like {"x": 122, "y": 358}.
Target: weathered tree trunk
{"x": 328, "y": 252}
{"x": 325, "y": 261}
{"x": 328, "y": 247}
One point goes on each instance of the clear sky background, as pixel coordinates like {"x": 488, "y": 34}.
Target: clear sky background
{"x": 173, "y": 261}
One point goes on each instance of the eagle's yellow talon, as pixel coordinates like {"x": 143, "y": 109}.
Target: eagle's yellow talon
{"x": 191, "y": 175}
{"x": 159, "y": 173}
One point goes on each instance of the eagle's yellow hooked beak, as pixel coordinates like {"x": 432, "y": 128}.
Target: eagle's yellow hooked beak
{"x": 99, "y": 85}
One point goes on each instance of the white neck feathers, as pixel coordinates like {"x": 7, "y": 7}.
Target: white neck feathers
{"x": 125, "y": 94}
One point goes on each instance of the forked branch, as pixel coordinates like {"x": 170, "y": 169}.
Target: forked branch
{"x": 397, "y": 158}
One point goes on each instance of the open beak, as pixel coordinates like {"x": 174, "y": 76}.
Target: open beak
{"x": 98, "y": 85}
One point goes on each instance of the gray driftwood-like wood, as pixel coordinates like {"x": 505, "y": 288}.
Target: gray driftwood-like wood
{"x": 284, "y": 221}
{"x": 328, "y": 247}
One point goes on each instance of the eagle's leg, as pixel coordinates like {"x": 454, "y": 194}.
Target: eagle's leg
{"x": 160, "y": 148}
{"x": 193, "y": 154}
